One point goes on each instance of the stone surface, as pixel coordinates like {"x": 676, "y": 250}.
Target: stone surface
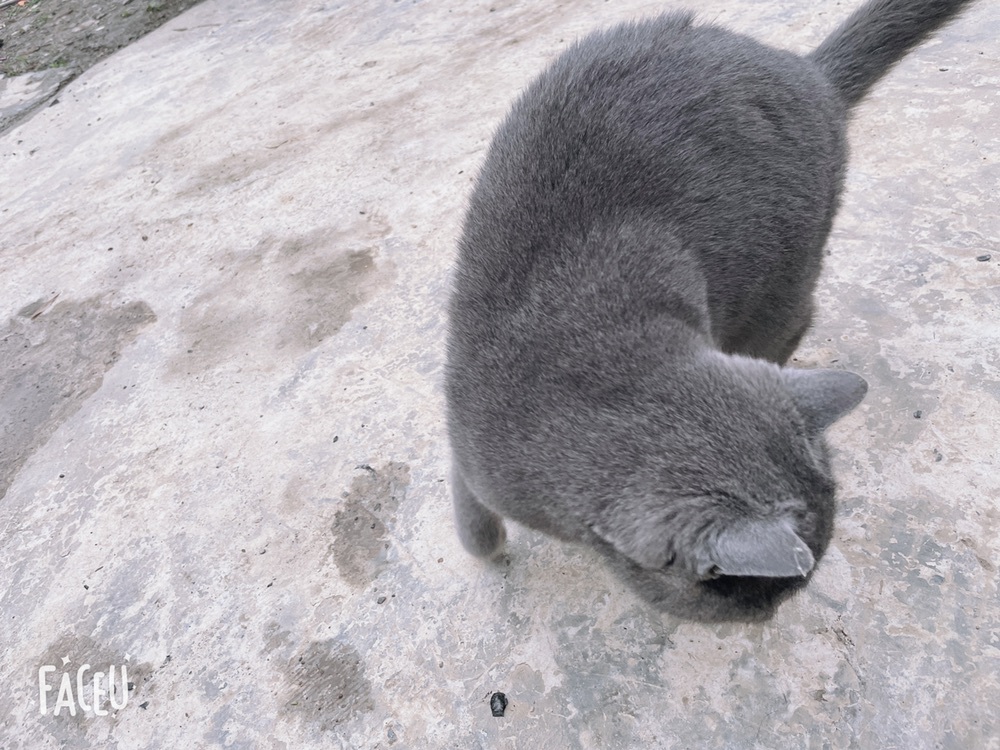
{"x": 21, "y": 95}
{"x": 225, "y": 255}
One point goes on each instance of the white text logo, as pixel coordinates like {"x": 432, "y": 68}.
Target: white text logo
{"x": 84, "y": 689}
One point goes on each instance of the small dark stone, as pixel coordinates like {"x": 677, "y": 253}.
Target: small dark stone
{"x": 983, "y": 258}
{"x": 918, "y": 414}
{"x": 143, "y": 705}
{"x": 380, "y": 600}
{"x": 498, "y": 704}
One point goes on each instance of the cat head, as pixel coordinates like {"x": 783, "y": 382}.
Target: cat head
{"x": 732, "y": 505}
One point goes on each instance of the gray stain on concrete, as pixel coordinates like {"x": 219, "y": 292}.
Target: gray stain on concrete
{"x": 361, "y": 537}
{"x": 53, "y": 356}
{"x": 308, "y": 285}
{"x": 23, "y": 95}
{"x": 330, "y": 685}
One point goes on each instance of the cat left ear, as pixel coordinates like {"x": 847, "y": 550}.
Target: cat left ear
{"x": 824, "y": 396}
{"x": 766, "y": 549}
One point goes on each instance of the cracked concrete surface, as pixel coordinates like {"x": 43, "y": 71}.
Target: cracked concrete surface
{"x": 225, "y": 255}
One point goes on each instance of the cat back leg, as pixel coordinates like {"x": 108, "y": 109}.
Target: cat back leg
{"x": 480, "y": 529}
{"x": 793, "y": 343}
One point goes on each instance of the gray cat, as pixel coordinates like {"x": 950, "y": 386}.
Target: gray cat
{"x": 636, "y": 266}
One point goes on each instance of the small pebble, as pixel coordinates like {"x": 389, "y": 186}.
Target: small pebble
{"x": 983, "y": 258}
{"x": 918, "y": 414}
{"x": 498, "y": 704}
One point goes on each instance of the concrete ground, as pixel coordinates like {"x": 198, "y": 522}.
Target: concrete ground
{"x": 224, "y": 257}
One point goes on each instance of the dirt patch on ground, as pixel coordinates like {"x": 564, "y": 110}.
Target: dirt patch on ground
{"x": 75, "y": 34}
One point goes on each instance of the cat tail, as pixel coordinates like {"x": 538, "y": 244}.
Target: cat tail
{"x": 876, "y": 36}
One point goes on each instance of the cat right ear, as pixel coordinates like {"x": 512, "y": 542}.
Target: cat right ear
{"x": 824, "y": 396}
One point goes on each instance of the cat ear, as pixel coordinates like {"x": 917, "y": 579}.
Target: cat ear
{"x": 644, "y": 544}
{"x": 767, "y": 549}
{"x": 824, "y": 396}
